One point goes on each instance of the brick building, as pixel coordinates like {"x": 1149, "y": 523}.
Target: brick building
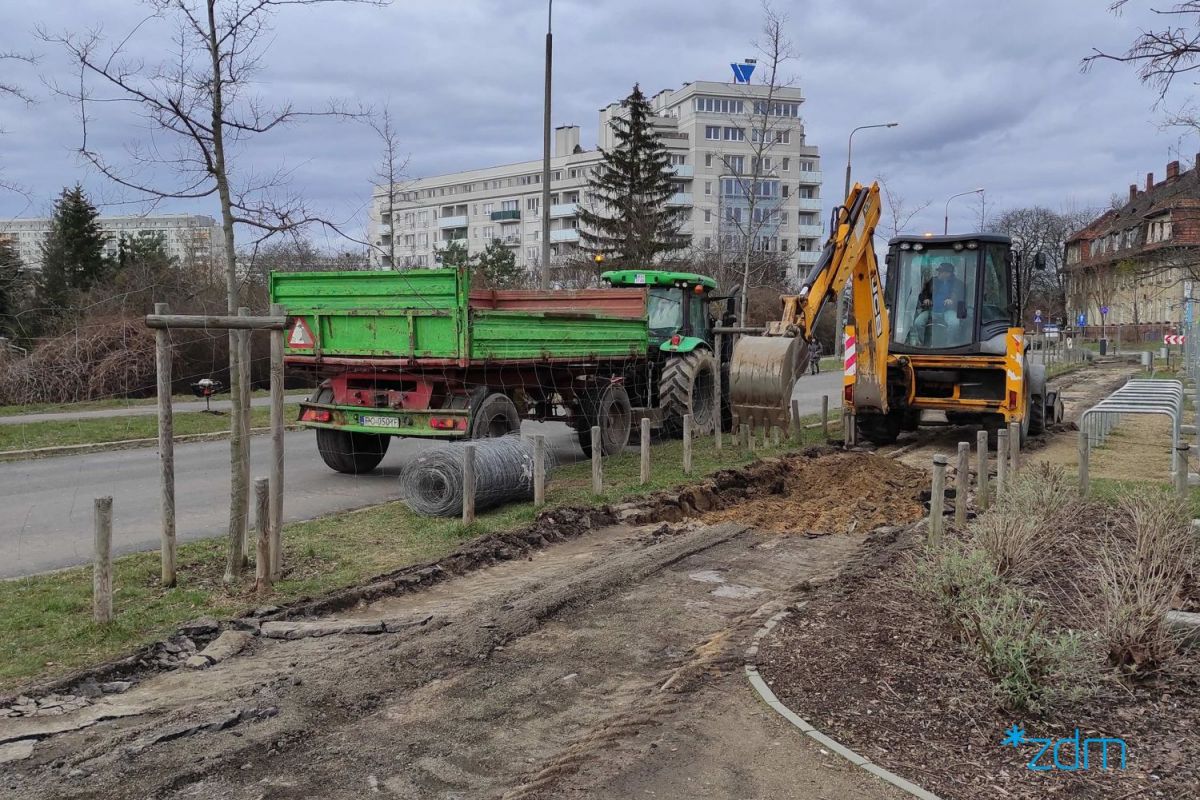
{"x": 1140, "y": 259}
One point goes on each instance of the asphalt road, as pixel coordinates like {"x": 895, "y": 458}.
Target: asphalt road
{"x": 136, "y": 410}
{"x": 47, "y": 522}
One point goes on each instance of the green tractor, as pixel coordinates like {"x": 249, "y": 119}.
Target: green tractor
{"x": 679, "y": 374}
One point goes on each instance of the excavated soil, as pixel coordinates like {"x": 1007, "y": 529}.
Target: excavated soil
{"x": 839, "y": 493}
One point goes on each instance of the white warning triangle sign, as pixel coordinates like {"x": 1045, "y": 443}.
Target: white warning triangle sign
{"x": 301, "y": 337}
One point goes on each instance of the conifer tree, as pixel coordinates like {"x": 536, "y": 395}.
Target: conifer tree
{"x": 631, "y": 223}
{"x": 73, "y": 253}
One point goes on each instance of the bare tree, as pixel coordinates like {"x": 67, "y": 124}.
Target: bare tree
{"x": 13, "y": 90}
{"x": 388, "y": 175}
{"x": 765, "y": 127}
{"x": 899, "y": 213}
{"x": 199, "y": 103}
{"x": 1036, "y": 230}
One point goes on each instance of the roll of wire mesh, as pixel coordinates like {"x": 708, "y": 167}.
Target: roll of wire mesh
{"x": 431, "y": 484}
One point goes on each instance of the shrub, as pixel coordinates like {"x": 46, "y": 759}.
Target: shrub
{"x": 1140, "y": 571}
{"x": 1019, "y": 533}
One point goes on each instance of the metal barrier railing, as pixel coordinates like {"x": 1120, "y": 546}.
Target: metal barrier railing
{"x": 1135, "y": 397}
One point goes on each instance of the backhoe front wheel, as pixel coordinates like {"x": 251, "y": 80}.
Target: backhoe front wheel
{"x": 880, "y": 429}
{"x": 686, "y": 387}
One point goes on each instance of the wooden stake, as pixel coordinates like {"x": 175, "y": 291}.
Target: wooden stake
{"x": 166, "y": 447}
{"x": 745, "y": 432}
{"x": 1181, "y": 470}
{"x": 824, "y": 416}
{"x": 981, "y": 470}
{"x": 1001, "y": 462}
{"x": 597, "y": 467}
{"x": 277, "y": 454}
{"x": 687, "y": 444}
{"x": 937, "y": 499}
{"x": 468, "y": 507}
{"x": 645, "y": 444}
{"x": 797, "y": 428}
{"x": 718, "y": 415}
{"x": 262, "y": 522}
{"x": 243, "y": 400}
{"x": 102, "y": 603}
{"x": 776, "y": 436}
{"x": 539, "y": 470}
{"x": 1014, "y": 448}
{"x": 962, "y": 484}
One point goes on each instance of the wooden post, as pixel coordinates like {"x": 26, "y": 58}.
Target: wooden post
{"x": 166, "y": 446}
{"x": 981, "y": 470}
{"x": 468, "y": 506}
{"x": 645, "y": 443}
{"x": 744, "y": 429}
{"x": 962, "y": 484}
{"x": 825, "y": 417}
{"x": 776, "y": 436}
{"x": 718, "y": 417}
{"x": 687, "y": 444}
{"x": 937, "y": 499}
{"x": 243, "y": 399}
{"x": 1001, "y": 462}
{"x": 277, "y": 424}
{"x": 797, "y": 428}
{"x": 102, "y": 604}
{"x": 1014, "y": 448}
{"x": 1084, "y": 451}
{"x": 262, "y": 522}
{"x": 539, "y": 470}
{"x": 1181, "y": 470}
{"x": 597, "y": 467}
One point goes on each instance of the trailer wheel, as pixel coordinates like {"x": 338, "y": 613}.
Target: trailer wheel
{"x": 686, "y": 387}
{"x": 496, "y": 415}
{"x": 350, "y": 452}
{"x": 608, "y": 407}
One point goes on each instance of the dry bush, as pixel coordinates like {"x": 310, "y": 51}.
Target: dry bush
{"x": 105, "y": 358}
{"x": 1018, "y": 535}
{"x": 1140, "y": 571}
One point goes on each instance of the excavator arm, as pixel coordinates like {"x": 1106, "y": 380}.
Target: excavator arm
{"x": 764, "y": 369}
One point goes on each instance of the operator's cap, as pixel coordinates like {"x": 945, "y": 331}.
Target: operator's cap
{"x": 945, "y": 265}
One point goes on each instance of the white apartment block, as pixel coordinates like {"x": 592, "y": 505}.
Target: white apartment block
{"x": 188, "y": 238}
{"x": 712, "y": 131}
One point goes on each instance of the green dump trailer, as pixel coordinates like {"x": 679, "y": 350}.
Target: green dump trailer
{"x": 421, "y": 353}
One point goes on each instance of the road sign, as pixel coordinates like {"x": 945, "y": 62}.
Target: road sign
{"x": 742, "y": 72}
{"x": 1037, "y": 316}
{"x": 1104, "y": 311}
{"x": 1082, "y": 319}
{"x": 301, "y": 337}
{"x": 1173, "y": 338}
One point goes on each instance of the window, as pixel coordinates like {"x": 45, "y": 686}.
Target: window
{"x": 708, "y": 159}
{"x": 735, "y": 164}
{"x": 808, "y": 166}
{"x": 423, "y": 239}
{"x": 809, "y": 192}
{"x": 733, "y": 215}
{"x": 707, "y": 215}
{"x": 935, "y": 297}
{"x": 783, "y": 218}
{"x": 409, "y": 218}
{"x": 707, "y": 242}
{"x": 410, "y": 240}
{"x": 677, "y": 158}
{"x": 712, "y": 132}
{"x": 488, "y": 233}
{"x": 719, "y": 105}
{"x": 531, "y": 253}
{"x": 784, "y": 166}
{"x": 765, "y": 164}
{"x": 708, "y": 187}
{"x": 424, "y": 217}
{"x": 487, "y": 208}
{"x": 510, "y": 205}
{"x": 532, "y": 203}
{"x": 384, "y": 219}
{"x": 777, "y": 109}
{"x": 785, "y": 190}
{"x": 784, "y": 137}
{"x": 735, "y": 135}
{"x": 783, "y": 244}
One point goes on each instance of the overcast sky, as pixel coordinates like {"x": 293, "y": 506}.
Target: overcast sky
{"x": 987, "y": 94}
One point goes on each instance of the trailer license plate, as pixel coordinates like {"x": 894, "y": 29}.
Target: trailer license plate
{"x": 378, "y": 422}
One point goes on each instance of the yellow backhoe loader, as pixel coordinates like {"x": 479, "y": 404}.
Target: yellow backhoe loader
{"x": 943, "y": 334}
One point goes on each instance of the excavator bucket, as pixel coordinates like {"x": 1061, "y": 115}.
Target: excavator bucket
{"x": 762, "y": 372}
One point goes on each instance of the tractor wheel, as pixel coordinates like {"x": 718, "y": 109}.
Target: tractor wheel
{"x": 686, "y": 387}
{"x": 608, "y": 407}
{"x": 880, "y": 429}
{"x": 495, "y": 415}
{"x": 349, "y": 452}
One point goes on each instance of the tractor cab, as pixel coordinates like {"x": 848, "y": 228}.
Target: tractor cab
{"x": 951, "y": 294}
{"x": 677, "y": 306}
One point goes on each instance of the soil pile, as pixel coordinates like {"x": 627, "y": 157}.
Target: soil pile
{"x": 832, "y": 493}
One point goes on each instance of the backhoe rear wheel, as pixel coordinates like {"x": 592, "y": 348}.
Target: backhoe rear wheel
{"x": 686, "y": 387}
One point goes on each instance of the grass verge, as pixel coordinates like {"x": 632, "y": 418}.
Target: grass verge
{"x": 100, "y": 430}
{"x": 45, "y": 620}
{"x": 111, "y": 402}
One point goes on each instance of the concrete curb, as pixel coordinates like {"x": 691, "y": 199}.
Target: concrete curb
{"x": 123, "y": 444}
{"x": 764, "y": 691}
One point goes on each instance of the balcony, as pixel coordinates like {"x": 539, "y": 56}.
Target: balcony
{"x": 563, "y": 210}
{"x": 810, "y": 231}
{"x": 565, "y": 235}
{"x": 512, "y": 240}
{"x": 680, "y": 199}
{"x": 453, "y": 222}
{"x": 683, "y": 170}
{"x": 812, "y": 177}
{"x": 808, "y": 203}
{"x": 808, "y": 257}
{"x": 444, "y": 243}
{"x": 512, "y": 215}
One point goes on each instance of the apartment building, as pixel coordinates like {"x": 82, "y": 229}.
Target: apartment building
{"x": 713, "y": 132}
{"x": 186, "y": 237}
{"x": 1137, "y": 261}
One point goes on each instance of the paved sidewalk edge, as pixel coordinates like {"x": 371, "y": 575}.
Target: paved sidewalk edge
{"x": 124, "y": 444}
{"x": 764, "y": 692}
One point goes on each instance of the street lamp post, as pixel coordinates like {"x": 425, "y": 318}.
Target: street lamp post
{"x": 946, "y": 216}
{"x": 840, "y": 346}
{"x": 546, "y": 152}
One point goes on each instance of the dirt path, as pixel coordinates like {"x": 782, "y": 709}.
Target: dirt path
{"x": 605, "y": 667}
